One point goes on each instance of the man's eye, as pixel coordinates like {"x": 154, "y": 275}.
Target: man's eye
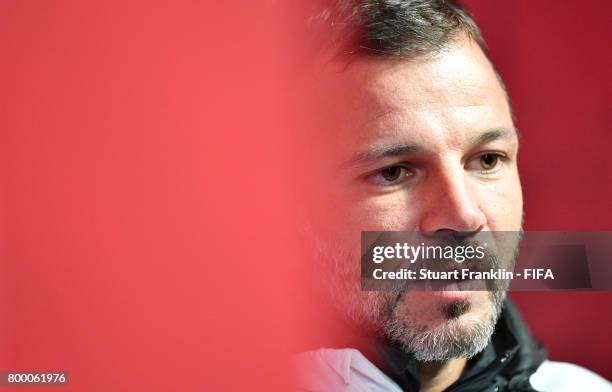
{"x": 391, "y": 175}
{"x": 487, "y": 162}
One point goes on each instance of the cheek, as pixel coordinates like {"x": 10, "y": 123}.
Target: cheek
{"x": 344, "y": 219}
{"x": 389, "y": 212}
{"x": 503, "y": 205}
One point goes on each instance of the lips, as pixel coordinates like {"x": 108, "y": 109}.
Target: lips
{"x": 451, "y": 285}
{"x": 464, "y": 285}
{"x": 451, "y": 290}
{"x": 456, "y": 284}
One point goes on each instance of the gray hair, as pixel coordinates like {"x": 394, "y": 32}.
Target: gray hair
{"x": 397, "y": 28}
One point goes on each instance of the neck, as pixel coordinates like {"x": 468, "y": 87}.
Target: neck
{"x": 437, "y": 376}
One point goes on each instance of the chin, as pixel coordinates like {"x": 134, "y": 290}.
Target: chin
{"x": 438, "y": 328}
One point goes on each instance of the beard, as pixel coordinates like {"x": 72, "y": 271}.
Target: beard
{"x": 439, "y": 332}
{"x": 455, "y": 337}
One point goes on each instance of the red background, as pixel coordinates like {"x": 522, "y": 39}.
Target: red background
{"x": 143, "y": 217}
{"x": 142, "y": 159}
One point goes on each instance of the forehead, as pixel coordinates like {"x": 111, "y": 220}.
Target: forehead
{"x": 452, "y": 95}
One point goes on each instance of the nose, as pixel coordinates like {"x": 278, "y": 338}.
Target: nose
{"x": 452, "y": 205}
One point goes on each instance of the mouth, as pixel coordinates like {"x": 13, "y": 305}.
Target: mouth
{"x": 453, "y": 290}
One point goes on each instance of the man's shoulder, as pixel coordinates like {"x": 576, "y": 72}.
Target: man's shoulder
{"x": 347, "y": 370}
{"x": 328, "y": 369}
{"x": 561, "y": 376}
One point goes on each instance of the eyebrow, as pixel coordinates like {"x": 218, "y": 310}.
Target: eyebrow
{"x": 377, "y": 153}
{"x": 494, "y": 134}
{"x": 381, "y": 152}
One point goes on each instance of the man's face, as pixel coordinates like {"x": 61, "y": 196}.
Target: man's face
{"x": 413, "y": 145}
